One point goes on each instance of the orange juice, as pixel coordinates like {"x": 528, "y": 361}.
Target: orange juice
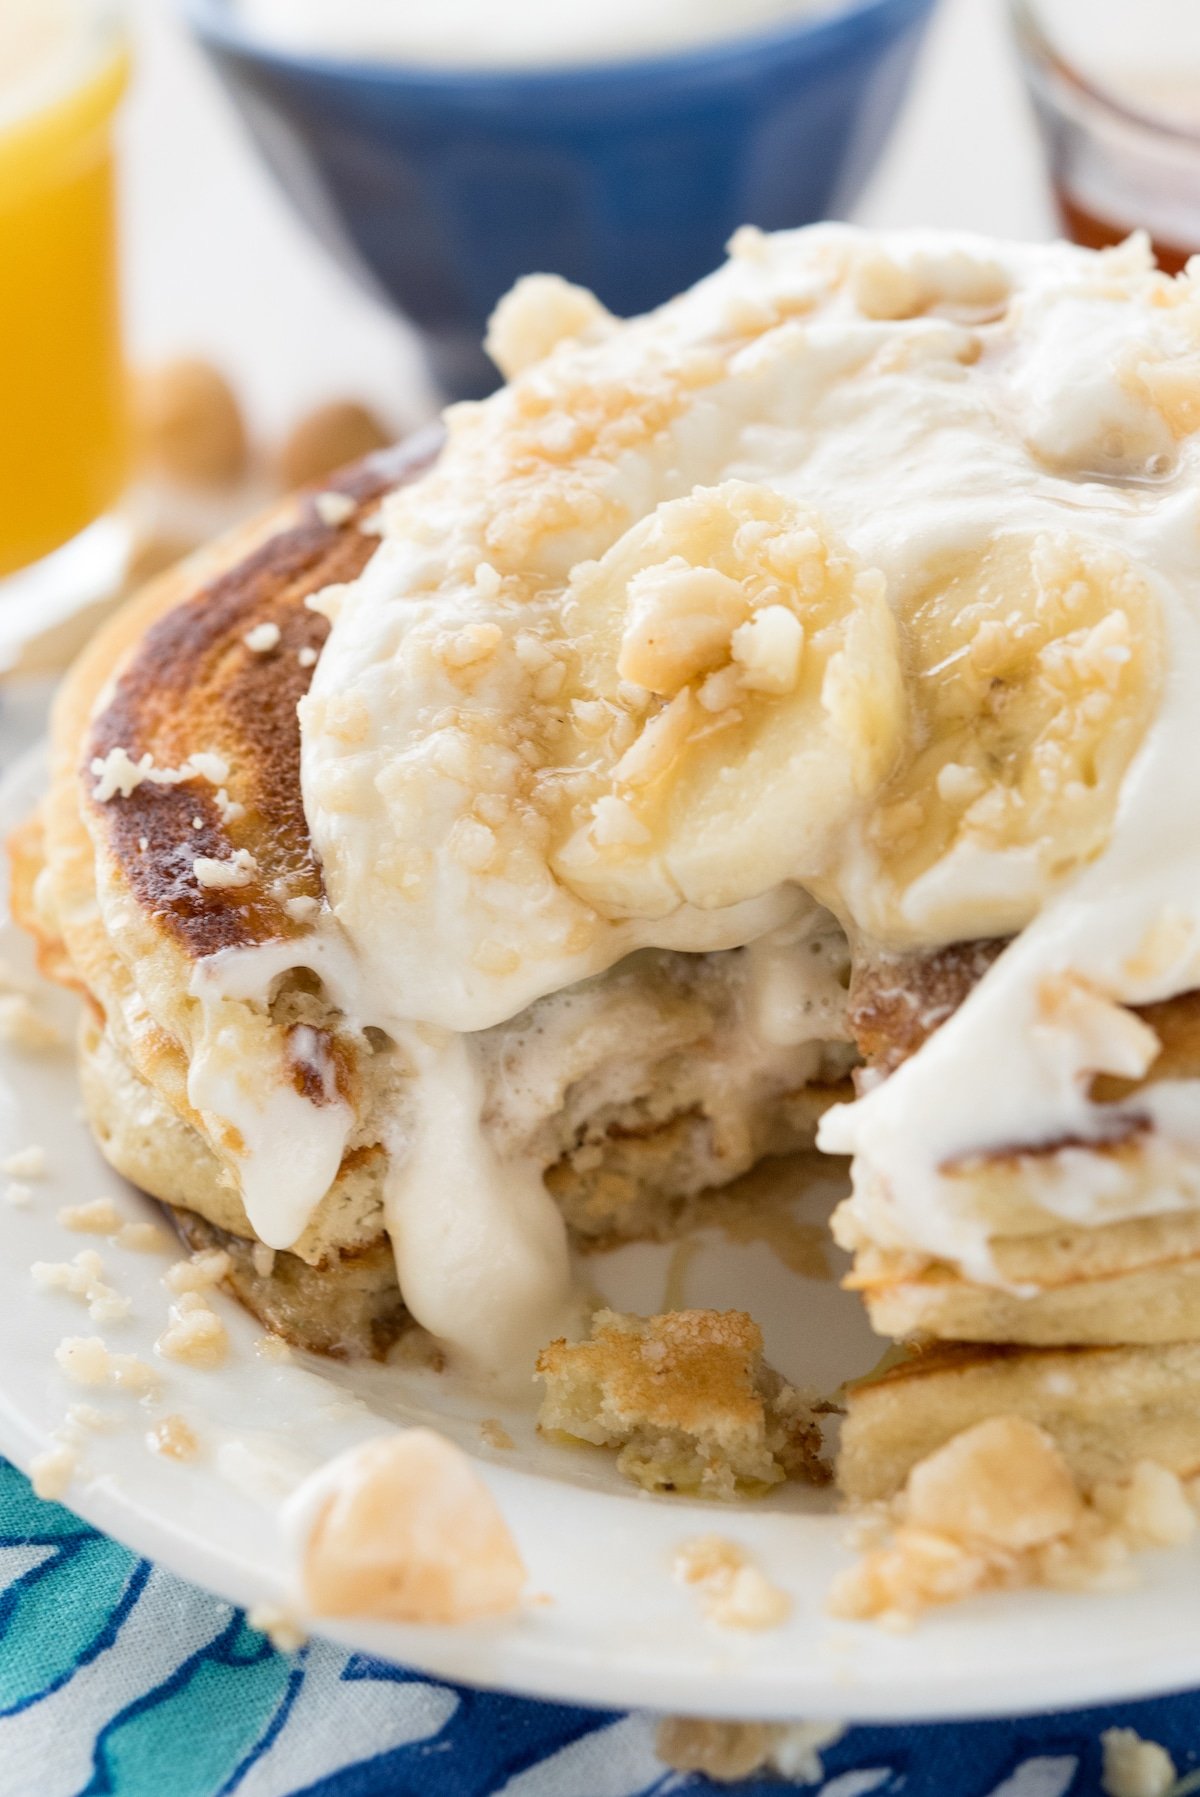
{"x": 63, "y": 432}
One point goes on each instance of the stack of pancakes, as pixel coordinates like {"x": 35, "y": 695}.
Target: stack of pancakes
{"x": 1094, "y": 1331}
{"x": 922, "y": 724}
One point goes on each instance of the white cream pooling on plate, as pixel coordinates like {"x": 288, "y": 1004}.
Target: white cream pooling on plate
{"x": 891, "y": 385}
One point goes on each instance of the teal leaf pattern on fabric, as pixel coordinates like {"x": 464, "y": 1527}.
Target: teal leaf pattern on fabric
{"x": 86, "y": 1583}
{"x": 225, "y": 1702}
{"x": 179, "y": 1697}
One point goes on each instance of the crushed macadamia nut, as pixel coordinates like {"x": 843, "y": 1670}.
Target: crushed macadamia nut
{"x": 83, "y": 1278}
{"x": 87, "y": 1361}
{"x": 173, "y": 1439}
{"x": 404, "y": 1529}
{"x": 734, "y": 1592}
{"x": 997, "y": 1507}
{"x": 195, "y": 1335}
{"x": 262, "y": 639}
{"x": 241, "y": 869}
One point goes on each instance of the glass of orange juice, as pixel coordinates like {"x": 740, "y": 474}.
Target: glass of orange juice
{"x": 63, "y": 425}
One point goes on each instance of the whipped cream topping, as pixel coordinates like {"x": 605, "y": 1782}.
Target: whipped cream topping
{"x": 867, "y": 568}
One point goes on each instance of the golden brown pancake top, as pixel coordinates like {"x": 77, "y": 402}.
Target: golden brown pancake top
{"x": 193, "y": 685}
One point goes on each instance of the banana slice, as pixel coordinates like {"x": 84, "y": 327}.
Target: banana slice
{"x": 744, "y": 699}
{"x": 1035, "y": 670}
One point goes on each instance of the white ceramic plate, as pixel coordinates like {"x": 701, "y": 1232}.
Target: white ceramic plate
{"x": 617, "y": 1630}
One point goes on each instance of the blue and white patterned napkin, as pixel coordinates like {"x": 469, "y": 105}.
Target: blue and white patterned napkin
{"x": 119, "y": 1680}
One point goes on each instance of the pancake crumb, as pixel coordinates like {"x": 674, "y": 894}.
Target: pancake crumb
{"x": 19, "y": 1195}
{"x": 1134, "y": 1767}
{"x": 307, "y": 657}
{"x": 686, "y": 1398}
{"x": 734, "y": 1593}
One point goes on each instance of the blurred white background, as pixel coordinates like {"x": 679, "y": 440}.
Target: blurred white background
{"x": 216, "y": 263}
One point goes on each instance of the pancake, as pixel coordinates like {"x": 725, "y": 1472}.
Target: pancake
{"x": 1133, "y": 1280}
{"x": 1105, "y": 1409}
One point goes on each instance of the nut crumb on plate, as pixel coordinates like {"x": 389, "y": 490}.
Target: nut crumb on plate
{"x": 734, "y": 1592}
{"x": 173, "y": 1438}
{"x": 997, "y": 1508}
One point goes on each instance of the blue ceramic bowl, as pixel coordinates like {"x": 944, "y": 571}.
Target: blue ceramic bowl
{"x": 443, "y": 186}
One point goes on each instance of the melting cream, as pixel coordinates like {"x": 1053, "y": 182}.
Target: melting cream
{"x": 480, "y": 1245}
